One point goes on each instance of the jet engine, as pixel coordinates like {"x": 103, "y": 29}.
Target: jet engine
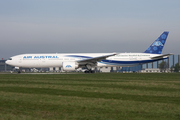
{"x": 69, "y": 66}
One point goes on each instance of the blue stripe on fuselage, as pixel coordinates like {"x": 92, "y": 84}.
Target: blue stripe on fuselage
{"x": 129, "y": 62}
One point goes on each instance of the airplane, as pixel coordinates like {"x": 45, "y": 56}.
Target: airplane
{"x": 73, "y": 61}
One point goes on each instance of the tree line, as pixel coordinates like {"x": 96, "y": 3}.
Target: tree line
{"x": 163, "y": 66}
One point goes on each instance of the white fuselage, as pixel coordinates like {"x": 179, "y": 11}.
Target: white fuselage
{"x": 56, "y": 60}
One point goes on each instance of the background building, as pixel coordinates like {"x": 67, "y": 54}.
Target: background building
{"x": 4, "y": 67}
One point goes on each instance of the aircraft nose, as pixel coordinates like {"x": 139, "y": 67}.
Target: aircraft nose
{"x": 8, "y": 62}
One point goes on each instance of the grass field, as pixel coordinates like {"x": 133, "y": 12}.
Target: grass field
{"x": 109, "y": 96}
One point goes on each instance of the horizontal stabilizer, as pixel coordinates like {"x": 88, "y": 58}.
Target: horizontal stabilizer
{"x": 162, "y": 56}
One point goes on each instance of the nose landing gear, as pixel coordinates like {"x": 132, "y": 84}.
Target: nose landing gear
{"x": 17, "y": 69}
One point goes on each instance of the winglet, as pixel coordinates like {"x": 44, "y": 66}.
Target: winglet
{"x": 157, "y": 46}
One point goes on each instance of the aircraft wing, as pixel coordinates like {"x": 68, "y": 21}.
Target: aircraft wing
{"x": 162, "y": 56}
{"x": 95, "y": 59}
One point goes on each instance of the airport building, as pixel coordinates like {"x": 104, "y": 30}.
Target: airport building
{"x": 149, "y": 67}
{"x": 4, "y": 67}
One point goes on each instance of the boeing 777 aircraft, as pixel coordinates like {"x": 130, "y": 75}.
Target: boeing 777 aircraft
{"x": 71, "y": 62}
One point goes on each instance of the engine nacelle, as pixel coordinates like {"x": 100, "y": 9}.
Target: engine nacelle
{"x": 69, "y": 66}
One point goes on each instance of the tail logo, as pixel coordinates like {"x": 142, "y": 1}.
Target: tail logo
{"x": 68, "y": 66}
{"x": 157, "y": 43}
{"x": 163, "y": 36}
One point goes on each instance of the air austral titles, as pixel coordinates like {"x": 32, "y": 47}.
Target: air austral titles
{"x": 71, "y": 62}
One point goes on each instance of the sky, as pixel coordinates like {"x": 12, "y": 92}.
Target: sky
{"x": 87, "y": 26}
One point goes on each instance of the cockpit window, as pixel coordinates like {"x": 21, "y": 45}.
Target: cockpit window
{"x": 10, "y": 59}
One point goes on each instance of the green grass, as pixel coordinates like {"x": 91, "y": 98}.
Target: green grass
{"x": 108, "y": 96}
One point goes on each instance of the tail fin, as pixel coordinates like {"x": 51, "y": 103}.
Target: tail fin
{"x": 157, "y": 46}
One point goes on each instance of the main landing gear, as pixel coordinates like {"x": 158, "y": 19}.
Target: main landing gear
{"x": 89, "y": 71}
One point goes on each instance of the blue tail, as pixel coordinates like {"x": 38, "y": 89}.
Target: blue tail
{"x": 157, "y": 46}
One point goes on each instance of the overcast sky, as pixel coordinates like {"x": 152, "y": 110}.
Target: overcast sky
{"x": 78, "y": 26}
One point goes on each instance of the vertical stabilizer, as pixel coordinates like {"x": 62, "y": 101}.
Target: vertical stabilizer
{"x": 157, "y": 46}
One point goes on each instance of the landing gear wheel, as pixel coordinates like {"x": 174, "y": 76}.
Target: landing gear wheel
{"x": 92, "y": 71}
{"x": 19, "y": 71}
{"x": 86, "y": 71}
{"x": 89, "y": 71}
